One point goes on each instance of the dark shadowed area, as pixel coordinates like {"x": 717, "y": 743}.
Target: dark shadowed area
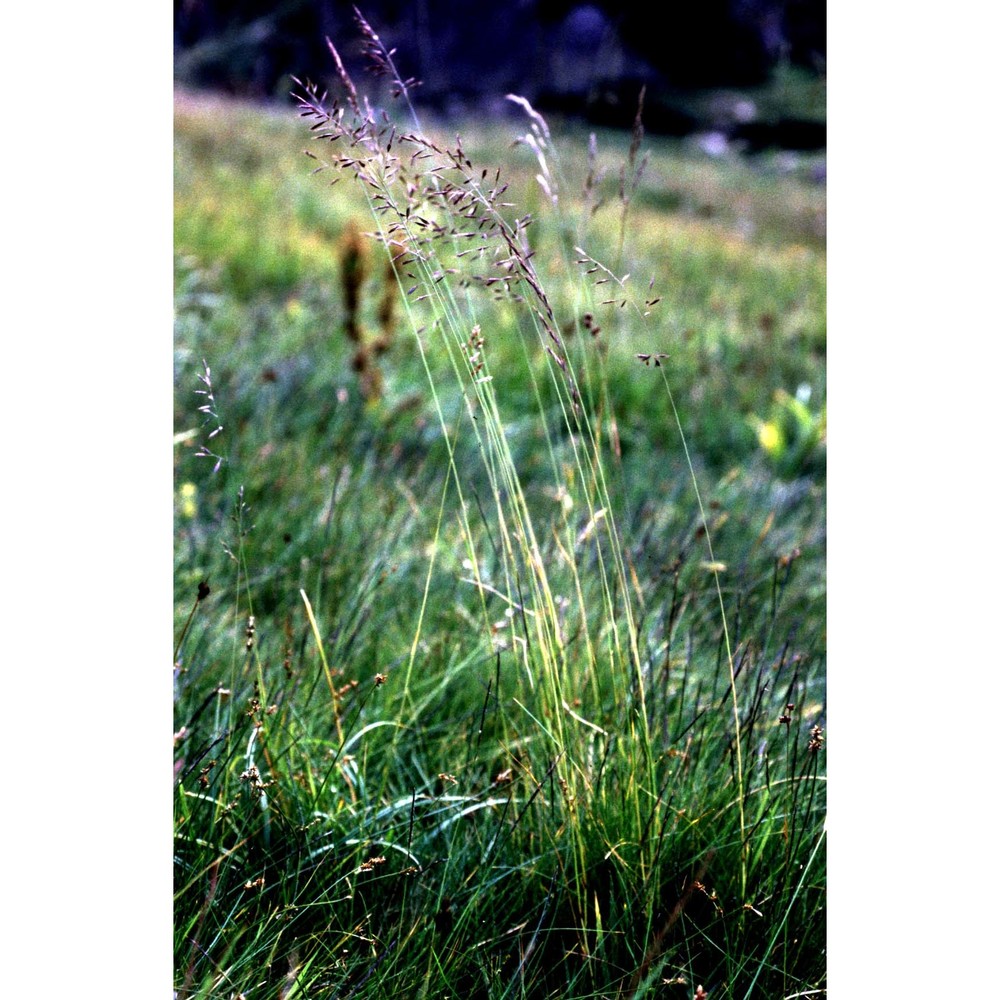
{"x": 750, "y": 71}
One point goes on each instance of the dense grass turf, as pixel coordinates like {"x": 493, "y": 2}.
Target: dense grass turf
{"x": 500, "y": 663}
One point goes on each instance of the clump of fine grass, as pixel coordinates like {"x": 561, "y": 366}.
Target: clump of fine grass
{"x": 469, "y": 711}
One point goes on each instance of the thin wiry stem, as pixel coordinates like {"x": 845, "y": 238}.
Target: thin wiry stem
{"x": 744, "y": 844}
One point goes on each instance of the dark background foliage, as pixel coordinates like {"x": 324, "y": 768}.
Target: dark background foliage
{"x": 586, "y": 59}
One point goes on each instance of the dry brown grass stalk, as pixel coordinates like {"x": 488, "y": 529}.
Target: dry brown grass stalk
{"x": 354, "y": 273}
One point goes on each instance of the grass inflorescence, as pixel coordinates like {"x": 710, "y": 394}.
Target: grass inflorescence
{"x": 498, "y": 672}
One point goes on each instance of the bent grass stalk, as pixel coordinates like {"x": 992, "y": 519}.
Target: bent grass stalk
{"x": 407, "y": 197}
{"x": 514, "y": 521}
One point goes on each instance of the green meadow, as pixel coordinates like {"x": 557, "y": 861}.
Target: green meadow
{"x": 500, "y": 610}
